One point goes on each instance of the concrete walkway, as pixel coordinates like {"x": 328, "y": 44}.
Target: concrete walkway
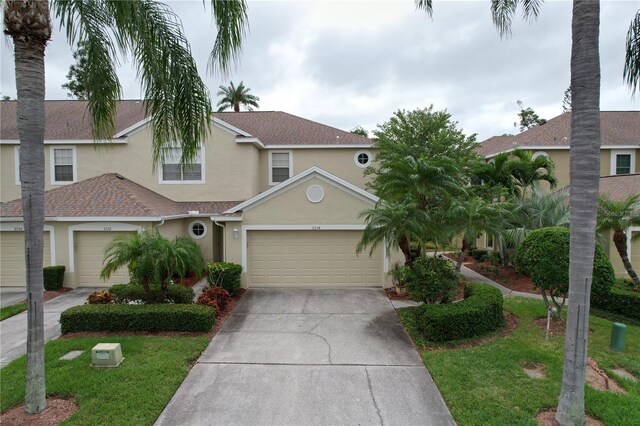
{"x": 476, "y": 277}
{"x": 309, "y": 357}
{"x": 13, "y": 331}
{"x": 11, "y": 296}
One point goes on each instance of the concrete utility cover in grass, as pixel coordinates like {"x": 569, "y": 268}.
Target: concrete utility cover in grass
{"x": 625, "y": 374}
{"x": 535, "y": 371}
{"x": 70, "y": 355}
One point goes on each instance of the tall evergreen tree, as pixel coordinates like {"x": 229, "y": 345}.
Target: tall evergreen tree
{"x": 76, "y": 84}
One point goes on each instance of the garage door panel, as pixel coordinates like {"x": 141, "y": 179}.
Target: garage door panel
{"x": 90, "y": 250}
{"x": 12, "y": 266}
{"x": 310, "y": 258}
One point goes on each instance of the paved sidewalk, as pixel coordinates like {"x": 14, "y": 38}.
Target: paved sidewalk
{"x": 11, "y": 296}
{"x": 309, "y": 357}
{"x": 476, "y": 277}
{"x": 13, "y": 331}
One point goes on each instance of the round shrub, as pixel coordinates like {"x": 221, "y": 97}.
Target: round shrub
{"x": 479, "y": 313}
{"x": 544, "y": 255}
{"x": 431, "y": 280}
{"x": 53, "y": 277}
{"x": 226, "y": 275}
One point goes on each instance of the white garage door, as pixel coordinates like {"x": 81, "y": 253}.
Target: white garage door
{"x": 310, "y": 259}
{"x": 90, "y": 249}
{"x": 12, "y": 267}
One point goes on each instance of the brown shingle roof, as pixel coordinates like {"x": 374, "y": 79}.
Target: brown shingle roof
{"x": 620, "y": 187}
{"x": 616, "y": 128}
{"x": 112, "y": 195}
{"x": 69, "y": 120}
{"x": 281, "y": 128}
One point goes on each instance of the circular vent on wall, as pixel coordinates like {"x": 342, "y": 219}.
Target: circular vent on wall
{"x": 315, "y": 193}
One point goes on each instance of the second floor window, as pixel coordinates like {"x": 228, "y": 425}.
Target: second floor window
{"x": 280, "y": 167}
{"x": 623, "y": 164}
{"x": 63, "y": 165}
{"x": 173, "y": 171}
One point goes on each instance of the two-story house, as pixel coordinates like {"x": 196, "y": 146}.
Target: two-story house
{"x": 276, "y": 193}
{"x": 619, "y": 162}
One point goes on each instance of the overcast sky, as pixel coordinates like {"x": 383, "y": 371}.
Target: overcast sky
{"x": 349, "y": 63}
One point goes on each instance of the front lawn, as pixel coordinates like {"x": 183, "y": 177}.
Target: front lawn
{"x": 135, "y": 393}
{"x": 11, "y": 310}
{"x": 485, "y": 385}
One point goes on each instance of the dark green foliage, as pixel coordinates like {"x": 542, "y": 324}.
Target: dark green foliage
{"x": 621, "y": 302}
{"x": 431, "y": 280}
{"x": 166, "y": 317}
{"x": 479, "y": 313}
{"x": 53, "y": 277}
{"x": 225, "y": 275}
{"x": 479, "y": 254}
{"x": 123, "y": 293}
{"x": 544, "y": 254}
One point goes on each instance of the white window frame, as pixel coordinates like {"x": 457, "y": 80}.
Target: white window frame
{"x": 614, "y": 160}
{"x": 52, "y": 165}
{"x": 185, "y": 182}
{"x": 16, "y": 156}
{"x": 192, "y": 234}
{"x": 539, "y": 154}
{"x": 355, "y": 159}
{"x": 270, "y": 171}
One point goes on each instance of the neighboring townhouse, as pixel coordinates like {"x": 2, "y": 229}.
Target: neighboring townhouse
{"x": 619, "y": 161}
{"x": 619, "y": 135}
{"x": 277, "y": 193}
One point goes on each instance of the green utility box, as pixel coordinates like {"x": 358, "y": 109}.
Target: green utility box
{"x": 617, "y": 336}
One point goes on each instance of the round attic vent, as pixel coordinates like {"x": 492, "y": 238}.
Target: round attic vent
{"x": 315, "y": 193}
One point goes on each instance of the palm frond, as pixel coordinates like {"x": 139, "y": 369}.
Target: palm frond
{"x": 426, "y": 5}
{"x": 231, "y": 19}
{"x": 631, "y": 73}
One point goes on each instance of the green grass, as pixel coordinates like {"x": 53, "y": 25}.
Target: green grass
{"x": 11, "y": 310}
{"x": 135, "y": 393}
{"x": 485, "y": 385}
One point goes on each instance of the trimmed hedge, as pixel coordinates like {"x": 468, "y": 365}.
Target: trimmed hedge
{"x": 126, "y": 292}
{"x": 138, "y": 318}
{"x": 53, "y": 277}
{"x": 479, "y": 313}
{"x": 225, "y": 275}
{"x": 621, "y": 302}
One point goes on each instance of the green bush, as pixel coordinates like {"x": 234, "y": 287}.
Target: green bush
{"x": 544, "y": 254}
{"x": 621, "y": 302}
{"x": 53, "y": 277}
{"x": 138, "y": 318}
{"x": 479, "y": 313}
{"x": 431, "y": 280}
{"x": 480, "y": 254}
{"x": 123, "y": 293}
{"x": 225, "y": 275}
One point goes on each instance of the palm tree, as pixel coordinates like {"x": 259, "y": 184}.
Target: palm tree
{"x": 497, "y": 174}
{"x": 473, "y": 216}
{"x": 233, "y": 97}
{"x": 528, "y": 171}
{"x": 618, "y": 216}
{"x": 395, "y": 224}
{"x": 179, "y": 108}
{"x": 153, "y": 260}
{"x": 631, "y": 72}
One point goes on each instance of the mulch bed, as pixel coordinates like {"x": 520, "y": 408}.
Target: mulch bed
{"x": 548, "y": 418}
{"x": 188, "y": 281}
{"x": 57, "y": 410}
{"x": 51, "y": 294}
{"x": 557, "y": 327}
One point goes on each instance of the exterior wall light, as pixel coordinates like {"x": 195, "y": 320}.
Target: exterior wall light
{"x": 236, "y": 234}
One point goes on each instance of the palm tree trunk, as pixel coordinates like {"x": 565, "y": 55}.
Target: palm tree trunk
{"x": 29, "y": 57}
{"x": 620, "y": 240}
{"x": 583, "y": 202}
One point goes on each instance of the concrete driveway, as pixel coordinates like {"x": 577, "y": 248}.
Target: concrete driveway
{"x": 309, "y": 357}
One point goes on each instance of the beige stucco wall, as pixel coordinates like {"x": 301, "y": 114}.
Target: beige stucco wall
{"x": 8, "y": 188}
{"x": 337, "y": 161}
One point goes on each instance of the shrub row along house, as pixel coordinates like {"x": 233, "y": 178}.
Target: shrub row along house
{"x": 276, "y": 193}
{"x": 619, "y": 163}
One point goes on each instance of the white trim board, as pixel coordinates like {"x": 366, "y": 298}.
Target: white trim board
{"x": 98, "y": 226}
{"x": 555, "y": 147}
{"x": 70, "y": 142}
{"x": 299, "y": 178}
{"x": 315, "y": 228}
{"x": 19, "y": 227}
